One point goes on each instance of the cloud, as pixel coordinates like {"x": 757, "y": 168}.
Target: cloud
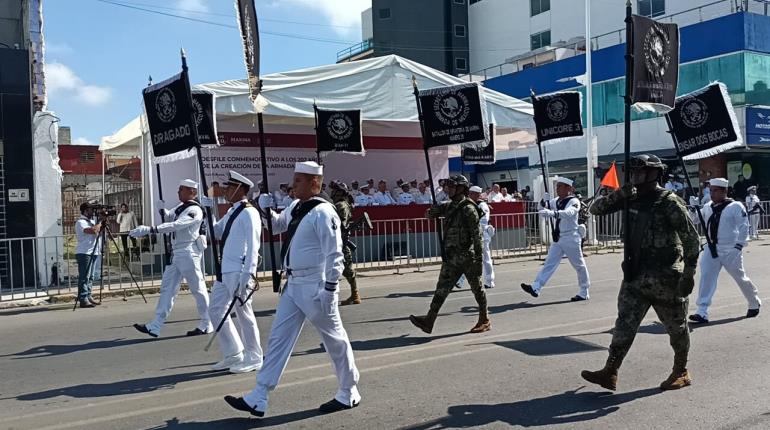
{"x": 192, "y": 5}
{"x": 61, "y": 80}
{"x": 53, "y": 48}
{"x": 341, "y": 13}
{"x": 82, "y": 141}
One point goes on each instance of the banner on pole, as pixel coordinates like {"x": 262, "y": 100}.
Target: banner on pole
{"x": 204, "y": 107}
{"x": 339, "y": 131}
{"x": 558, "y": 115}
{"x": 455, "y": 115}
{"x": 704, "y": 123}
{"x": 485, "y": 155}
{"x": 169, "y": 117}
{"x": 656, "y": 64}
{"x": 247, "y": 22}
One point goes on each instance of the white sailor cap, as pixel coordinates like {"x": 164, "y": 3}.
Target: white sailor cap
{"x": 719, "y": 182}
{"x": 364, "y": 185}
{"x": 475, "y": 189}
{"x": 752, "y": 188}
{"x": 563, "y": 180}
{"x": 309, "y": 168}
{"x": 238, "y": 179}
{"x": 189, "y": 183}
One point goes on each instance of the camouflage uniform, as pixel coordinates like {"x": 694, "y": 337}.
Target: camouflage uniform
{"x": 345, "y": 212}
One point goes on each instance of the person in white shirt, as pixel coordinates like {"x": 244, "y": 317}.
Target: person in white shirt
{"x": 313, "y": 258}
{"x": 281, "y": 193}
{"x": 87, "y": 249}
{"x": 397, "y": 190}
{"x": 754, "y": 209}
{"x": 127, "y": 221}
{"x": 413, "y": 189}
{"x": 706, "y": 194}
{"x": 184, "y": 225}
{"x": 239, "y": 233}
{"x": 264, "y": 198}
{"x": 727, "y": 226}
{"x": 423, "y": 195}
{"x": 495, "y": 196}
{"x": 505, "y": 196}
{"x": 364, "y": 199}
{"x": 405, "y": 198}
{"x": 441, "y": 195}
{"x": 671, "y": 184}
{"x": 288, "y": 199}
{"x": 370, "y": 182}
{"x": 382, "y": 197}
{"x": 354, "y": 191}
{"x": 563, "y": 211}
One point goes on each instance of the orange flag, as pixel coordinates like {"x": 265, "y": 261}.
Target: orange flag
{"x": 610, "y": 179}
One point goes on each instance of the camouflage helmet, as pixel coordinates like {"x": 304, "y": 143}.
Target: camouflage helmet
{"x": 460, "y": 180}
{"x": 646, "y": 160}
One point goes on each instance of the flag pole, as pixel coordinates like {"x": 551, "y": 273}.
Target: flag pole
{"x": 263, "y": 157}
{"x": 627, "y": 116}
{"x": 315, "y": 116}
{"x": 161, "y": 211}
{"x": 542, "y": 165}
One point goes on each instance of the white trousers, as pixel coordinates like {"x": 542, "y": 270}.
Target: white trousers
{"x": 243, "y": 334}
{"x": 568, "y": 245}
{"x": 732, "y": 261}
{"x": 184, "y": 265}
{"x": 306, "y": 299}
{"x": 754, "y": 226}
{"x": 488, "y": 270}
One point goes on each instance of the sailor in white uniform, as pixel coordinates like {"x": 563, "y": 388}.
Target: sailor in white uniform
{"x": 406, "y": 197}
{"x": 382, "y": 196}
{"x": 364, "y": 199}
{"x": 487, "y": 232}
{"x": 727, "y": 225}
{"x": 313, "y": 260}
{"x": 563, "y": 211}
{"x": 754, "y": 210}
{"x": 239, "y": 233}
{"x": 188, "y": 244}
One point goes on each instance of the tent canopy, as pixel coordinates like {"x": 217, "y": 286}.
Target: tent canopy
{"x": 381, "y": 87}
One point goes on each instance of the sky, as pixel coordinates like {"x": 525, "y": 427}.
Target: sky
{"x": 99, "y": 53}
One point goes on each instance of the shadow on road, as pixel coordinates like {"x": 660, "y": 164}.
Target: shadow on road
{"x": 55, "y": 350}
{"x": 568, "y": 407}
{"x": 557, "y": 345}
{"x": 717, "y": 322}
{"x": 499, "y": 309}
{"x": 134, "y": 386}
{"x": 397, "y": 341}
{"x": 394, "y": 319}
{"x": 426, "y": 293}
{"x": 240, "y": 423}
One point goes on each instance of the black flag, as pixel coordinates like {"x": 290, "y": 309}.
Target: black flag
{"x": 558, "y": 115}
{"x": 485, "y": 155}
{"x": 704, "y": 123}
{"x": 167, "y": 105}
{"x": 205, "y": 117}
{"x": 656, "y": 64}
{"x": 339, "y": 131}
{"x": 454, "y": 115}
{"x": 247, "y": 18}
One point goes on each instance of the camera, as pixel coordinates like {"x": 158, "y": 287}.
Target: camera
{"x": 103, "y": 211}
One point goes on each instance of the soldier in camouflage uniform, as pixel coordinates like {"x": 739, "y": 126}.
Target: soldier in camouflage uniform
{"x": 463, "y": 253}
{"x": 658, "y": 270}
{"x": 343, "y": 204}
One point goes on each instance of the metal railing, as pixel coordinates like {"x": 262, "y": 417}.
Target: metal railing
{"x": 355, "y": 50}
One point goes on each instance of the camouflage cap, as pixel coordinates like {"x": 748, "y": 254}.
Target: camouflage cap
{"x": 646, "y": 160}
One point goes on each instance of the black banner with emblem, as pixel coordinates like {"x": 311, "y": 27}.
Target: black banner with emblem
{"x": 205, "y": 117}
{"x": 558, "y": 115}
{"x": 247, "y": 20}
{"x": 656, "y": 64}
{"x": 485, "y": 155}
{"x": 169, "y": 117}
{"x": 454, "y": 115}
{"x": 338, "y": 131}
{"x": 704, "y": 123}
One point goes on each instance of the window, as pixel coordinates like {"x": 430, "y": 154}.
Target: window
{"x": 459, "y": 31}
{"x": 87, "y": 157}
{"x": 385, "y": 13}
{"x": 536, "y": 7}
{"x": 651, "y": 8}
{"x": 538, "y": 40}
{"x": 461, "y": 64}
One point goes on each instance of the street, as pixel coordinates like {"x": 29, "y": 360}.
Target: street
{"x": 90, "y": 369}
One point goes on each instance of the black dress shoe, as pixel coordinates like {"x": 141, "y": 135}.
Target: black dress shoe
{"x": 241, "y": 405}
{"x": 577, "y": 298}
{"x": 752, "y": 313}
{"x": 528, "y": 288}
{"x": 334, "y": 405}
{"x": 143, "y": 329}
{"x": 85, "y": 304}
{"x": 196, "y": 332}
{"x": 698, "y": 319}
{"x": 488, "y": 287}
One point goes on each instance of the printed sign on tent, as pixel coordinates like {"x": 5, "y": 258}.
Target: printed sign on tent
{"x": 205, "y": 117}
{"x": 656, "y": 64}
{"x": 485, "y": 155}
{"x": 558, "y": 115}
{"x": 454, "y": 115}
{"x": 169, "y": 116}
{"x": 339, "y": 131}
{"x": 704, "y": 123}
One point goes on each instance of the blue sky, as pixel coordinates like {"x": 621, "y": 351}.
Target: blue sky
{"x": 99, "y": 55}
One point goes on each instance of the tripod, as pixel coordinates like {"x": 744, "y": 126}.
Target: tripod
{"x": 104, "y": 232}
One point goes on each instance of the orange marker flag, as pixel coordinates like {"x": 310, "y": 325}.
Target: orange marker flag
{"x": 610, "y": 179}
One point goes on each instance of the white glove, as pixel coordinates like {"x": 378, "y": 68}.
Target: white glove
{"x": 245, "y": 280}
{"x": 160, "y": 204}
{"x": 546, "y": 213}
{"x": 207, "y": 202}
{"x": 546, "y": 196}
{"x": 140, "y": 231}
{"x": 694, "y": 201}
{"x": 265, "y": 201}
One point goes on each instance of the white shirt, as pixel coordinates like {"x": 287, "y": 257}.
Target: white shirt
{"x": 706, "y": 196}
{"x": 383, "y": 198}
{"x": 127, "y": 221}
{"x": 395, "y": 193}
{"x": 241, "y": 251}
{"x": 286, "y": 202}
{"x": 279, "y": 195}
{"x": 405, "y": 199}
{"x": 733, "y": 224}
{"x": 484, "y": 220}
{"x": 185, "y": 226}
{"x": 364, "y": 200}
{"x": 670, "y": 186}
{"x": 264, "y": 200}
{"x": 752, "y": 201}
{"x": 86, "y": 242}
{"x": 506, "y": 198}
{"x": 355, "y": 193}
{"x": 494, "y": 197}
{"x": 568, "y": 217}
{"x": 441, "y": 196}
{"x": 317, "y": 243}
{"x": 423, "y": 198}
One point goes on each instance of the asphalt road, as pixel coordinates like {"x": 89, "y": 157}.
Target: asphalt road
{"x": 90, "y": 369}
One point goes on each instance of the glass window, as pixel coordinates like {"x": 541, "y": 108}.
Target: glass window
{"x": 538, "y": 40}
{"x": 461, "y": 64}
{"x": 385, "y": 13}
{"x": 757, "y": 78}
{"x": 537, "y": 7}
{"x": 651, "y": 8}
{"x": 459, "y": 31}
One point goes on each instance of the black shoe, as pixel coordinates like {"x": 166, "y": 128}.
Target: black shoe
{"x": 752, "y": 313}
{"x": 577, "y": 298}
{"x": 143, "y": 329}
{"x": 488, "y": 287}
{"x": 528, "y": 288}
{"x": 698, "y": 319}
{"x": 196, "y": 332}
{"x": 241, "y": 405}
{"x": 86, "y": 304}
{"x": 334, "y": 405}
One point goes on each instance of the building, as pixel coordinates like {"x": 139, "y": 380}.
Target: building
{"x": 430, "y": 32}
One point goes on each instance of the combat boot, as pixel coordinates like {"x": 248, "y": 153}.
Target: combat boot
{"x": 678, "y": 379}
{"x": 606, "y": 377}
{"x": 355, "y": 298}
{"x": 484, "y": 324}
{"x": 424, "y": 323}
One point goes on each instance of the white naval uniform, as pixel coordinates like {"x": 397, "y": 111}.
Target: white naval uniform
{"x": 316, "y": 261}
{"x": 364, "y": 200}
{"x": 185, "y": 264}
{"x": 568, "y": 244}
{"x": 405, "y": 199}
{"x": 494, "y": 197}
{"x": 423, "y": 198}
{"x": 751, "y": 202}
{"x": 355, "y": 193}
{"x": 383, "y": 198}
{"x": 732, "y": 230}
{"x": 240, "y": 256}
{"x": 396, "y": 193}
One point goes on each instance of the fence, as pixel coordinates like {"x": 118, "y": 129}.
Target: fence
{"x": 45, "y": 266}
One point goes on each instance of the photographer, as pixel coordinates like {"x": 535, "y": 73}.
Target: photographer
{"x": 87, "y": 232}
{"x": 127, "y": 221}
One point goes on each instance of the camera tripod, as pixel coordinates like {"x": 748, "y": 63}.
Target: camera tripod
{"x": 104, "y": 233}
